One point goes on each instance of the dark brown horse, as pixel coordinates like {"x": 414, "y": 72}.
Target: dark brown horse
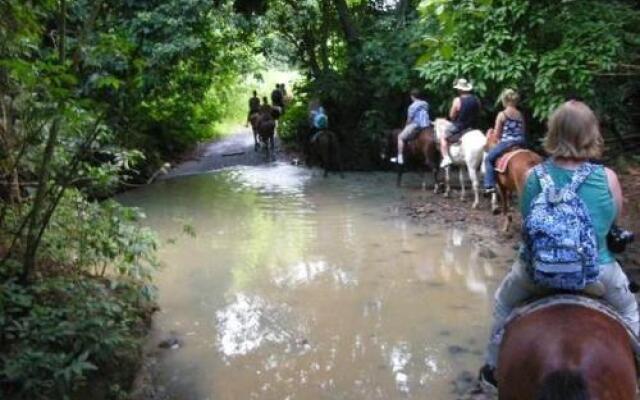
{"x": 325, "y": 147}
{"x": 266, "y": 129}
{"x": 568, "y": 352}
{"x": 512, "y": 179}
{"x": 421, "y": 153}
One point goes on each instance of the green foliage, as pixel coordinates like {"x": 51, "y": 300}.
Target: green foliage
{"x": 84, "y": 311}
{"x": 293, "y": 127}
{"x": 546, "y": 49}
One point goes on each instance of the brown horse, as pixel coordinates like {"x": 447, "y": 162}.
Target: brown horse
{"x": 266, "y": 128}
{"x": 253, "y": 119}
{"x": 512, "y": 179}
{"x": 566, "y": 351}
{"x": 325, "y": 147}
{"x": 421, "y": 152}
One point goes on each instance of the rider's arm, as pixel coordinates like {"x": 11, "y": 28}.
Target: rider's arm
{"x": 497, "y": 129}
{"x": 455, "y": 109}
{"x": 616, "y": 190}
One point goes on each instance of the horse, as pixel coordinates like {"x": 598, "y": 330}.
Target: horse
{"x": 324, "y": 145}
{"x": 467, "y": 152}
{"x": 566, "y": 351}
{"x": 266, "y": 128}
{"x": 514, "y": 167}
{"x": 421, "y": 151}
{"x": 253, "y": 119}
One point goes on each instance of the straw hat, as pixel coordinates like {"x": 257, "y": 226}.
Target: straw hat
{"x": 463, "y": 84}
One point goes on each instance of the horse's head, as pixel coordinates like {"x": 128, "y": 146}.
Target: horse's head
{"x": 388, "y": 144}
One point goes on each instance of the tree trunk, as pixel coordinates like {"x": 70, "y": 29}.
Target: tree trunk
{"x": 349, "y": 29}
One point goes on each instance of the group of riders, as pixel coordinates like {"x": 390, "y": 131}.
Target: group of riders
{"x": 261, "y": 112}
{"x": 569, "y": 204}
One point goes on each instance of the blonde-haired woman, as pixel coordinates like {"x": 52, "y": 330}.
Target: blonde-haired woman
{"x": 572, "y": 140}
{"x": 509, "y": 129}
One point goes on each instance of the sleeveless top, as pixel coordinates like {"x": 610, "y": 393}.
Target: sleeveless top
{"x": 512, "y": 130}
{"x": 594, "y": 192}
{"x": 468, "y": 114}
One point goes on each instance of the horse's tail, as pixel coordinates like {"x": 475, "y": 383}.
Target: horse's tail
{"x": 563, "y": 385}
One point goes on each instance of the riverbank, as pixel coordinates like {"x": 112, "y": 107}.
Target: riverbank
{"x": 427, "y": 208}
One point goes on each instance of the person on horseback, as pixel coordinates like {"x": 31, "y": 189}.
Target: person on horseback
{"x": 568, "y": 206}
{"x": 277, "y": 97}
{"x": 254, "y": 106}
{"x": 463, "y": 115}
{"x": 318, "y": 119}
{"x": 417, "y": 120}
{"x": 509, "y": 130}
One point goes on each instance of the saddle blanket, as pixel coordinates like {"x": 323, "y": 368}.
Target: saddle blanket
{"x": 570, "y": 299}
{"x": 503, "y": 161}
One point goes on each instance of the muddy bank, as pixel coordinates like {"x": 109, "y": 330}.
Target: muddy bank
{"x": 428, "y": 208}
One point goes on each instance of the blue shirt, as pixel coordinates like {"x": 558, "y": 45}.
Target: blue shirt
{"x": 419, "y": 114}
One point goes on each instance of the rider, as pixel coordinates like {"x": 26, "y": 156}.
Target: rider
{"x": 277, "y": 97}
{"x": 318, "y": 119}
{"x": 573, "y": 138}
{"x": 509, "y": 129}
{"x": 254, "y": 106}
{"x": 463, "y": 115}
{"x": 417, "y": 120}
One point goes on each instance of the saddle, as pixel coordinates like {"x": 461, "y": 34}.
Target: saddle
{"x": 455, "y": 138}
{"x": 503, "y": 161}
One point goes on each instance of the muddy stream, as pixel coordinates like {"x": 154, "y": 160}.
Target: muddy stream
{"x": 299, "y": 287}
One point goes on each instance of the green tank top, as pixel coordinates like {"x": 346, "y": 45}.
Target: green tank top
{"x": 594, "y": 192}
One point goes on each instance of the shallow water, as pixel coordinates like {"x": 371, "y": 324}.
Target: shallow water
{"x": 299, "y": 287}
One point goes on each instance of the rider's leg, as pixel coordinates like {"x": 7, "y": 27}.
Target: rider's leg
{"x": 618, "y": 295}
{"x": 405, "y": 135}
{"x": 490, "y": 162}
{"x": 514, "y": 289}
{"x": 444, "y": 146}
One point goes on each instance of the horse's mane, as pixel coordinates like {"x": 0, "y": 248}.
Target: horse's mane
{"x": 563, "y": 385}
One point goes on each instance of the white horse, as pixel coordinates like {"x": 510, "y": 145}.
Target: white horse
{"x": 467, "y": 152}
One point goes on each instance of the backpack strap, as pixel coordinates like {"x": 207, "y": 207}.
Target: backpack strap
{"x": 578, "y": 178}
{"x": 543, "y": 176}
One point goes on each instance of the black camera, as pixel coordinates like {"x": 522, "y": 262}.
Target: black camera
{"x": 618, "y": 239}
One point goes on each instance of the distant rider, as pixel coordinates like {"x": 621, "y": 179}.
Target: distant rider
{"x": 318, "y": 119}
{"x": 573, "y": 138}
{"x": 463, "y": 116}
{"x": 254, "y": 106}
{"x": 509, "y": 130}
{"x": 417, "y": 120}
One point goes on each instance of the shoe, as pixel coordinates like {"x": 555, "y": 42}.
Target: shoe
{"x": 446, "y": 161}
{"x": 489, "y": 190}
{"x": 486, "y": 376}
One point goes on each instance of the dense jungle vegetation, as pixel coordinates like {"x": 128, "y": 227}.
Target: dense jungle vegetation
{"x": 96, "y": 95}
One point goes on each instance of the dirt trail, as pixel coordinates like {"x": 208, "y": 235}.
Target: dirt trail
{"x": 235, "y": 149}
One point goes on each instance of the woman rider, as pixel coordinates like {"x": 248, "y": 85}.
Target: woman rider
{"x": 573, "y": 138}
{"x": 509, "y": 129}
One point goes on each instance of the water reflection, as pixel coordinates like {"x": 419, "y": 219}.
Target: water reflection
{"x": 300, "y": 287}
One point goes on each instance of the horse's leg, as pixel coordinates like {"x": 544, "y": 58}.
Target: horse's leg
{"x": 495, "y": 210}
{"x": 273, "y": 147}
{"x": 505, "y": 210}
{"x": 473, "y": 175}
{"x": 399, "y": 176}
{"x": 447, "y": 181}
{"x": 461, "y": 179}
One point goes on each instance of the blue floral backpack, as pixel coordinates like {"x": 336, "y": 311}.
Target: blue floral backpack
{"x": 560, "y": 245}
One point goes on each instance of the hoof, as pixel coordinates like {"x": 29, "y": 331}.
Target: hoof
{"x": 474, "y": 206}
{"x": 495, "y": 211}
